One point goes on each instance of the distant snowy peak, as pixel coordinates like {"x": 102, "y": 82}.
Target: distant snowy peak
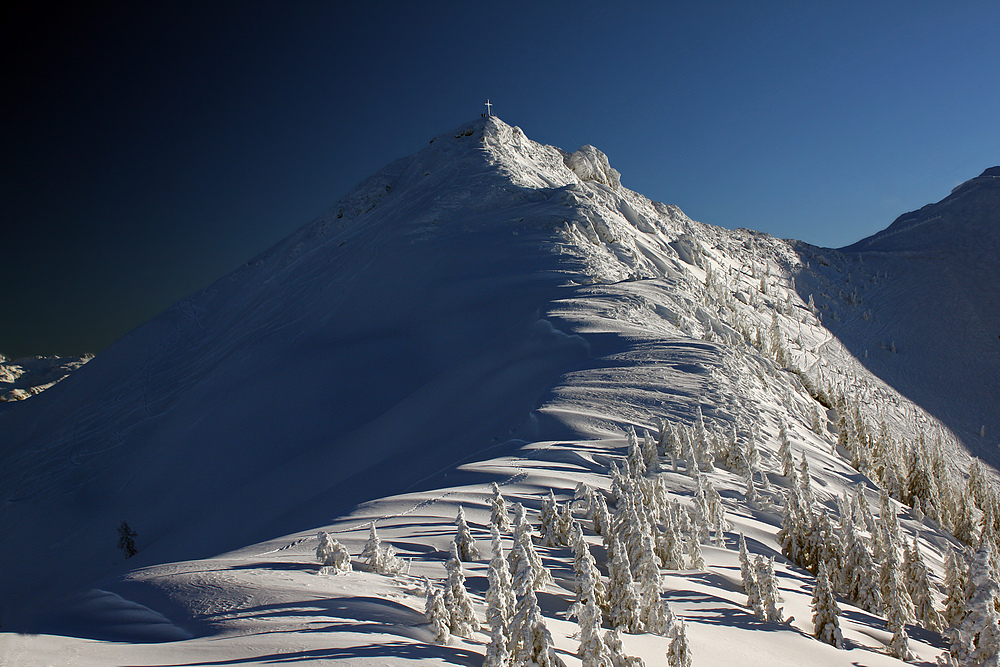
{"x": 27, "y": 377}
{"x": 967, "y": 218}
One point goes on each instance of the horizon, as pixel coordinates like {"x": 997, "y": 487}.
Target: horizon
{"x": 157, "y": 149}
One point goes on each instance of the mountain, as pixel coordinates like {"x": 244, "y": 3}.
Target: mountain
{"x": 963, "y": 222}
{"x": 488, "y": 310}
{"x": 925, "y": 311}
{"x": 30, "y": 376}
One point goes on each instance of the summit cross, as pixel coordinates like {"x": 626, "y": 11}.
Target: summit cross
{"x": 489, "y": 108}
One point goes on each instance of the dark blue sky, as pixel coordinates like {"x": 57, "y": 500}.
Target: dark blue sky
{"x": 148, "y": 150}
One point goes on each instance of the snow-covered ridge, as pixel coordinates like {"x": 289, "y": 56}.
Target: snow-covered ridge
{"x": 27, "y": 377}
{"x": 489, "y": 310}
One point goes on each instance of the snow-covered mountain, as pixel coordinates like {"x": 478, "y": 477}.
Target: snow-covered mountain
{"x": 30, "y": 376}
{"x": 919, "y": 304}
{"x": 487, "y": 310}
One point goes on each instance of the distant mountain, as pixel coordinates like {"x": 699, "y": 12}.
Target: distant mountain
{"x": 30, "y": 376}
{"x": 965, "y": 221}
{"x": 925, "y": 308}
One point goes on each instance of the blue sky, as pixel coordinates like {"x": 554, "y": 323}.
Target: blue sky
{"x": 149, "y": 150}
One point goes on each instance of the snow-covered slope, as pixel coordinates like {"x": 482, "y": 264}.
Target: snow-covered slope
{"x": 487, "y": 310}
{"x": 919, "y": 304}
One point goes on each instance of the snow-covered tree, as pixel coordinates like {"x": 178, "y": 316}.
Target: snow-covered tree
{"x": 679, "y": 653}
{"x": 332, "y": 555}
{"x": 896, "y": 603}
{"x": 669, "y": 544}
{"x": 746, "y": 568}
{"x": 497, "y": 653}
{"x": 381, "y": 558}
{"x": 593, "y": 651}
{"x": 500, "y": 593}
{"x": 499, "y": 516}
{"x": 977, "y": 637}
{"x": 464, "y": 542}
{"x": 522, "y": 538}
{"x": 918, "y": 585}
{"x": 623, "y": 603}
{"x": 826, "y": 613}
{"x": 650, "y": 455}
{"x": 617, "y": 652}
{"x": 694, "y": 552}
{"x": 601, "y": 519}
{"x": 768, "y": 585}
{"x": 548, "y": 521}
{"x": 438, "y": 616}
{"x": 956, "y": 580}
{"x": 654, "y": 614}
{"x": 588, "y": 579}
{"x": 456, "y": 597}
{"x": 531, "y": 641}
{"x": 636, "y": 461}
{"x": 860, "y": 575}
{"x": 785, "y": 451}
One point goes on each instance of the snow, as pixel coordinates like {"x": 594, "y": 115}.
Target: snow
{"x": 489, "y": 310}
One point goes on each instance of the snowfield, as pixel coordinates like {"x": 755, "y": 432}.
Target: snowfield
{"x": 492, "y": 310}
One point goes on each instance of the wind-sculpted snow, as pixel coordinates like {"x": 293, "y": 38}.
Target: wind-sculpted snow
{"x": 489, "y": 310}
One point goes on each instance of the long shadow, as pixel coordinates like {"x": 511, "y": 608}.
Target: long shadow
{"x": 401, "y": 650}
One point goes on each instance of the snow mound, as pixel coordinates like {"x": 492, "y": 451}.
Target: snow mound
{"x": 590, "y": 164}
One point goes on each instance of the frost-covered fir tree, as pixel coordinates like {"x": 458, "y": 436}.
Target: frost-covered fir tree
{"x": 702, "y": 443}
{"x": 464, "y": 542}
{"x": 679, "y": 653}
{"x": 694, "y": 552}
{"x": 896, "y": 604}
{"x": 531, "y": 641}
{"x": 618, "y": 658}
{"x": 805, "y": 483}
{"x": 522, "y": 538}
{"x": 564, "y": 524}
{"x": 601, "y": 520}
{"x": 826, "y": 613}
{"x": 768, "y": 585}
{"x": 499, "y": 516}
{"x": 548, "y": 521}
{"x": 860, "y": 575}
{"x": 918, "y": 585}
{"x": 654, "y": 614}
{"x": 785, "y": 451}
{"x": 497, "y": 653}
{"x": 623, "y": 603}
{"x": 669, "y": 544}
{"x": 746, "y": 568}
{"x": 500, "y": 593}
{"x": 456, "y": 597}
{"x": 977, "y": 637}
{"x": 332, "y": 555}
{"x": 438, "y": 616}
{"x": 636, "y": 460}
{"x": 956, "y": 581}
{"x": 650, "y": 455}
{"x": 593, "y": 651}
{"x": 381, "y": 558}
{"x": 587, "y": 575}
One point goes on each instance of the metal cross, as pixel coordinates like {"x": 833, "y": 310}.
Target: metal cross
{"x": 489, "y": 108}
